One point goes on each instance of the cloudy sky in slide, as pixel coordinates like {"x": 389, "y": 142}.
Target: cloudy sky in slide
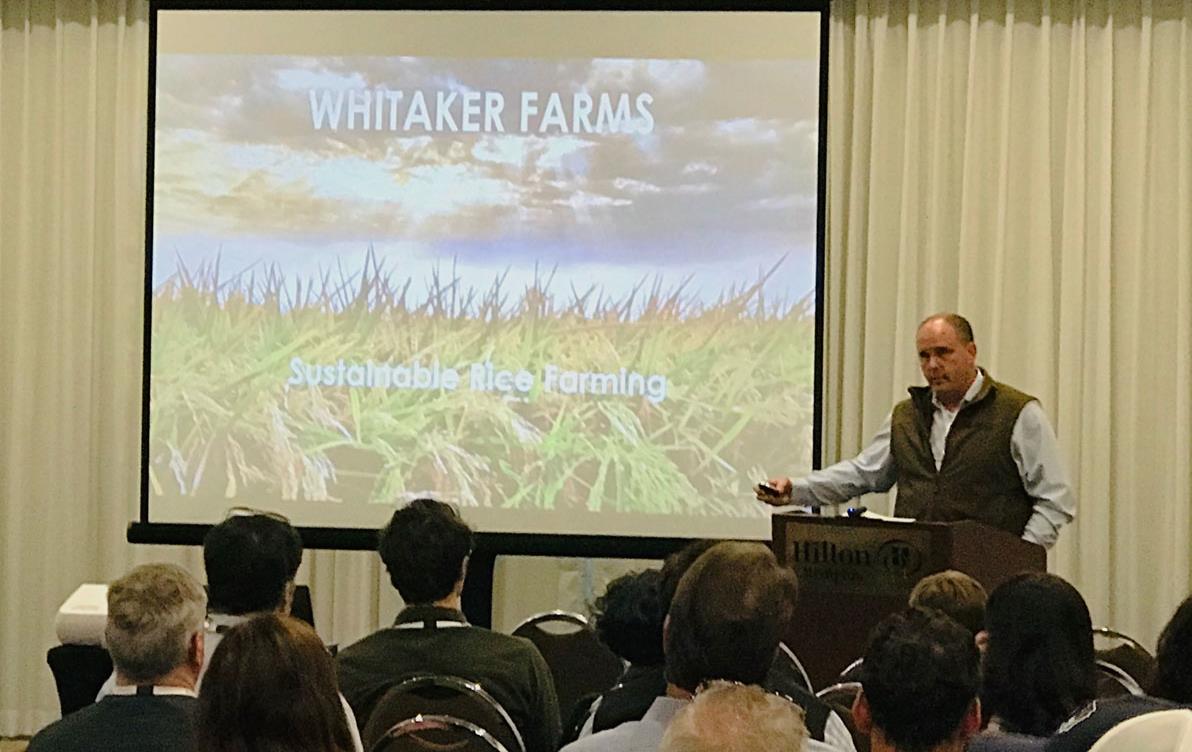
{"x": 723, "y": 186}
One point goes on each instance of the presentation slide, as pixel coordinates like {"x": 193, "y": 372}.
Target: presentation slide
{"x": 557, "y": 268}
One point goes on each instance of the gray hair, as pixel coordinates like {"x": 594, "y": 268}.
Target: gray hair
{"x": 153, "y": 611}
{"x": 728, "y": 717}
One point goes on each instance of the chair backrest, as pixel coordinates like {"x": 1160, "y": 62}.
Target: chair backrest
{"x": 1164, "y": 731}
{"x": 1007, "y": 743}
{"x": 79, "y": 671}
{"x": 842, "y": 694}
{"x": 786, "y": 664}
{"x": 579, "y": 662}
{"x": 1112, "y": 681}
{"x": 437, "y": 733}
{"x": 1126, "y": 653}
{"x": 448, "y": 696}
{"x": 851, "y": 672}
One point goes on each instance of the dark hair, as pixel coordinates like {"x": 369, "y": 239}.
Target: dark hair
{"x": 955, "y": 594}
{"x": 1039, "y": 662}
{"x": 959, "y": 324}
{"x": 1173, "y": 670}
{"x": 727, "y": 616}
{"x": 424, "y": 547}
{"x": 250, "y": 560}
{"x": 628, "y": 617}
{"x": 675, "y": 566}
{"x": 271, "y": 688}
{"x": 920, "y": 676}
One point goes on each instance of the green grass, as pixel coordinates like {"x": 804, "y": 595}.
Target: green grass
{"x": 224, "y": 423}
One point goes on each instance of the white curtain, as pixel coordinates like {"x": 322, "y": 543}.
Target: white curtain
{"x": 1028, "y": 164}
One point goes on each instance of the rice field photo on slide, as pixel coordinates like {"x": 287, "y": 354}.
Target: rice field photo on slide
{"x": 254, "y": 394}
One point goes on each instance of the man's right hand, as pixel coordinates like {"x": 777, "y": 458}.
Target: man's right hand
{"x": 775, "y": 492}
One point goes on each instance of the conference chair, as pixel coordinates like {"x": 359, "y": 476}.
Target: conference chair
{"x": 1112, "y": 681}
{"x": 445, "y": 696}
{"x": 840, "y": 697}
{"x": 851, "y": 672}
{"x": 437, "y": 733}
{"x": 79, "y": 671}
{"x": 580, "y": 664}
{"x": 1126, "y": 653}
{"x": 787, "y": 669}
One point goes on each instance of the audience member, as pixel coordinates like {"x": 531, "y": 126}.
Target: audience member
{"x": 618, "y": 705}
{"x": 270, "y": 685}
{"x": 425, "y": 549}
{"x": 955, "y": 594}
{"x": 724, "y": 622}
{"x": 1173, "y": 670}
{"x": 155, "y": 636}
{"x": 919, "y": 680}
{"x": 1039, "y": 663}
{"x": 727, "y": 717}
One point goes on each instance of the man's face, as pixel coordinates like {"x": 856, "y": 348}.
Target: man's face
{"x": 948, "y": 364}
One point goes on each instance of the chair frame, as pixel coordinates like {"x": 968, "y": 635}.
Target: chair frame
{"x": 449, "y": 721}
{"x": 464, "y": 687}
{"x": 1120, "y": 675}
{"x": 790, "y": 654}
{"x": 556, "y": 615}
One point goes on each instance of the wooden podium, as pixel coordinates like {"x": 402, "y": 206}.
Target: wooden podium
{"x": 852, "y": 572}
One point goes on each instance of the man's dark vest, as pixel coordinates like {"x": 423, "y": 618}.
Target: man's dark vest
{"x": 978, "y": 479}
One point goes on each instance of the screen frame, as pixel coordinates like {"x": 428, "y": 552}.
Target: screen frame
{"x": 146, "y": 531}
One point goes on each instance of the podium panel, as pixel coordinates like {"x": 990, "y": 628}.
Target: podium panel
{"x": 853, "y": 572}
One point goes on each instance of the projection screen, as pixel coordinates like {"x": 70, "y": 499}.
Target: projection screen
{"x": 557, "y": 267}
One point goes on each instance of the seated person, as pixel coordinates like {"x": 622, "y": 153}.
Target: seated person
{"x": 955, "y": 594}
{"x": 919, "y": 684}
{"x": 826, "y": 730}
{"x": 251, "y": 560}
{"x": 728, "y": 613}
{"x": 1039, "y": 663}
{"x": 425, "y": 549}
{"x": 628, "y": 619}
{"x": 1173, "y": 659}
{"x": 727, "y": 717}
{"x": 270, "y": 685}
{"x": 154, "y": 633}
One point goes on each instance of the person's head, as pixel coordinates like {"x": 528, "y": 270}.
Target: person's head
{"x": 954, "y": 593}
{"x": 155, "y": 625}
{"x": 947, "y": 355}
{"x": 675, "y": 566}
{"x": 727, "y": 616}
{"x": 919, "y": 684}
{"x": 1173, "y": 671}
{"x": 727, "y": 717}
{"x": 628, "y": 617}
{"x": 1039, "y": 660}
{"x": 271, "y": 686}
{"x": 425, "y": 548}
{"x": 251, "y": 561}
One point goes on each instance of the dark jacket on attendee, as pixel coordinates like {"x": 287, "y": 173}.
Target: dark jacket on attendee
{"x": 124, "y": 723}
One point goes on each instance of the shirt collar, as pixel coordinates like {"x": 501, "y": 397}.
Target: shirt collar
{"x": 969, "y": 396}
{"x": 431, "y": 616}
{"x": 129, "y": 690}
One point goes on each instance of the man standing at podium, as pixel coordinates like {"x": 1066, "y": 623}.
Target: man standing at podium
{"x": 964, "y": 447}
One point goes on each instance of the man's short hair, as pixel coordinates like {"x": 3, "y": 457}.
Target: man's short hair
{"x": 731, "y": 609}
{"x": 727, "y": 717}
{"x": 955, "y": 594}
{"x": 424, "y": 547}
{"x": 250, "y": 560}
{"x": 919, "y": 677}
{"x": 153, "y": 611}
{"x": 676, "y": 565}
{"x": 628, "y": 617}
{"x": 959, "y": 324}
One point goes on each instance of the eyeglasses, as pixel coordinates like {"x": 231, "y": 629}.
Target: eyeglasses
{"x": 250, "y": 512}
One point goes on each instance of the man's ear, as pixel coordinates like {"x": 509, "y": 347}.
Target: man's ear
{"x": 287, "y": 597}
{"x": 970, "y": 724}
{"x": 463, "y": 575}
{"x": 196, "y": 651}
{"x": 862, "y": 715}
{"x": 971, "y": 347}
{"x": 665, "y": 634}
{"x": 982, "y": 640}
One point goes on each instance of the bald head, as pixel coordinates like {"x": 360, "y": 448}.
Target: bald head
{"x": 947, "y": 357}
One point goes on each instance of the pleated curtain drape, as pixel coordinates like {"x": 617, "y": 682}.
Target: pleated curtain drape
{"x": 1026, "y": 163}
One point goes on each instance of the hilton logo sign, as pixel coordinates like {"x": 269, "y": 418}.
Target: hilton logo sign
{"x": 840, "y": 561}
